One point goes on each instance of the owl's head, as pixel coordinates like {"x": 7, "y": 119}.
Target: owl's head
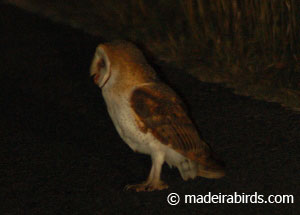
{"x": 120, "y": 64}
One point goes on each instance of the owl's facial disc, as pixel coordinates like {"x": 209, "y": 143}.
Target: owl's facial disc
{"x": 100, "y": 68}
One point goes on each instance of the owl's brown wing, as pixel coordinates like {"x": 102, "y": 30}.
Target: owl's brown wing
{"x": 160, "y": 111}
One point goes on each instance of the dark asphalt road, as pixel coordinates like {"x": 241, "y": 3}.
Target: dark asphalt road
{"x": 60, "y": 153}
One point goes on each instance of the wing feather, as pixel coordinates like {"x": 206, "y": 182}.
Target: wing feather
{"x": 163, "y": 114}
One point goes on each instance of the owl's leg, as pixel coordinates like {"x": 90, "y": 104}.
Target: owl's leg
{"x": 153, "y": 182}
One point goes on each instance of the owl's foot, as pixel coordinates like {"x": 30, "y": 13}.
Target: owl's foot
{"x": 153, "y": 182}
{"x": 145, "y": 186}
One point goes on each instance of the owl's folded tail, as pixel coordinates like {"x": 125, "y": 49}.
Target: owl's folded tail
{"x": 211, "y": 168}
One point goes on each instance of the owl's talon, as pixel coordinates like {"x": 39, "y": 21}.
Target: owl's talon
{"x": 146, "y": 186}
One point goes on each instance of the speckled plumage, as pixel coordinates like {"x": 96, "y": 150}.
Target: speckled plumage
{"x": 149, "y": 116}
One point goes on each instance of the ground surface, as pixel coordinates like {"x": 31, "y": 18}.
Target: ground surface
{"x": 60, "y": 153}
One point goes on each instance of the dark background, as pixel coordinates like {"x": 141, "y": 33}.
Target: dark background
{"x": 60, "y": 153}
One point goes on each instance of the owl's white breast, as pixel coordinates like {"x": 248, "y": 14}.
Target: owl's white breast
{"x": 123, "y": 117}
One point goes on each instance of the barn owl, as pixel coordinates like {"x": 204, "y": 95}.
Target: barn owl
{"x": 149, "y": 116}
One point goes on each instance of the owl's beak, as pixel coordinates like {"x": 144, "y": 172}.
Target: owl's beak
{"x": 96, "y": 78}
{"x": 93, "y": 73}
